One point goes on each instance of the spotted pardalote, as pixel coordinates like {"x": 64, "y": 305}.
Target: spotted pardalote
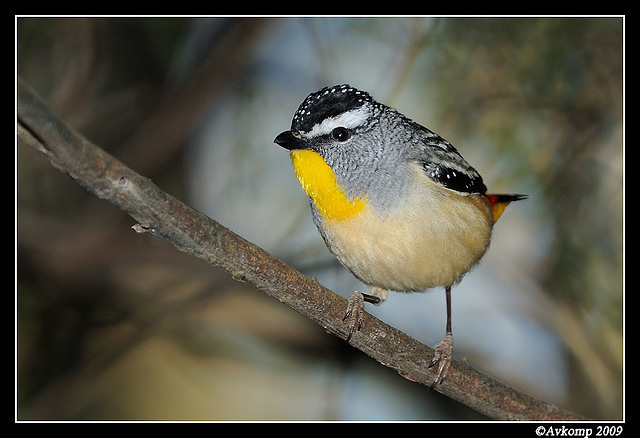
{"x": 394, "y": 202}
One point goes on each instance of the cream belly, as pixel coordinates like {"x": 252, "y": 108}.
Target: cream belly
{"x": 426, "y": 242}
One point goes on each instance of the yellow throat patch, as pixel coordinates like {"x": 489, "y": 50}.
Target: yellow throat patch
{"x": 318, "y": 181}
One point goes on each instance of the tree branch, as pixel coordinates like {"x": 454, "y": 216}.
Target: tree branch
{"x": 196, "y": 234}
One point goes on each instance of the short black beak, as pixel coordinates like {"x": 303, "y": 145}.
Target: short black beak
{"x": 289, "y": 141}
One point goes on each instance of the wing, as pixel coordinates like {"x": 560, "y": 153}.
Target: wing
{"x": 444, "y": 164}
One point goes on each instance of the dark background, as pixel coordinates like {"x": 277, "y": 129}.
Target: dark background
{"x": 116, "y": 325}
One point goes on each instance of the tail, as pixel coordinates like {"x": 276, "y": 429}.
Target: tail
{"x": 499, "y": 202}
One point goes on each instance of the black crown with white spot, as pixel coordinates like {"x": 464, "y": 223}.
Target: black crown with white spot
{"x": 328, "y": 102}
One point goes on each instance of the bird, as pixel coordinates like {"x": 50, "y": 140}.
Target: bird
{"x": 394, "y": 202}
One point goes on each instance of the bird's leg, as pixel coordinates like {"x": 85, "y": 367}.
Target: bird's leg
{"x": 444, "y": 348}
{"x": 355, "y": 307}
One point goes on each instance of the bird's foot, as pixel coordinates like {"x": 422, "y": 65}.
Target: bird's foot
{"x": 354, "y": 315}
{"x": 442, "y": 358}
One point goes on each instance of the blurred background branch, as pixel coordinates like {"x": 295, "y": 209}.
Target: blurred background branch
{"x": 535, "y": 104}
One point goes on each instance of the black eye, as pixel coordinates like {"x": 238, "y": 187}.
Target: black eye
{"x": 340, "y": 134}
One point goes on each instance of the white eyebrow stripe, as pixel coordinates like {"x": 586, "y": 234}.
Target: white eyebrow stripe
{"x": 349, "y": 119}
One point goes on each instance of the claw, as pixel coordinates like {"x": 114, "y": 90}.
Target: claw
{"x": 355, "y": 313}
{"x": 442, "y": 358}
